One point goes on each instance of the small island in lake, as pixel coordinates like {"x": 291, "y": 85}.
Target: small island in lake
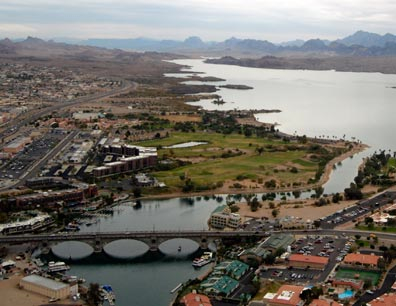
{"x": 218, "y": 101}
{"x": 239, "y": 87}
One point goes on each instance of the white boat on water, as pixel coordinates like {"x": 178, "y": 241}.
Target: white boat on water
{"x": 58, "y": 266}
{"x": 206, "y": 258}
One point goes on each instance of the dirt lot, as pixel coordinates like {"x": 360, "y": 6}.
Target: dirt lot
{"x": 299, "y": 208}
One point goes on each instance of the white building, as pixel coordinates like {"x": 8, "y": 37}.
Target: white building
{"x": 222, "y": 217}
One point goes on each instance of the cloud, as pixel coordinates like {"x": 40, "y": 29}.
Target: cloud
{"x": 262, "y": 19}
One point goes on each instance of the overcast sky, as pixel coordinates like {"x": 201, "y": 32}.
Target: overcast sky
{"x": 274, "y": 20}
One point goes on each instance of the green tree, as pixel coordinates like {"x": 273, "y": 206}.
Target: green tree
{"x": 275, "y": 213}
{"x": 93, "y": 294}
{"x": 137, "y": 192}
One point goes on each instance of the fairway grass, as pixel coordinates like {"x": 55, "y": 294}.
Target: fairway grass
{"x": 233, "y": 158}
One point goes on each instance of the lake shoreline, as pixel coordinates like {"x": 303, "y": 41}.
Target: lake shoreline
{"x": 226, "y": 190}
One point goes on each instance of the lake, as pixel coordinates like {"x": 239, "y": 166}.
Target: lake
{"x": 358, "y": 106}
{"x": 315, "y": 103}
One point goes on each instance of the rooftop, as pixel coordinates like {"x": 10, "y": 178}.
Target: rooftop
{"x": 318, "y": 302}
{"x": 309, "y": 259}
{"x": 194, "y": 299}
{"x": 44, "y": 282}
{"x": 384, "y": 300}
{"x": 364, "y": 259}
{"x": 287, "y": 295}
{"x": 278, "y": 241}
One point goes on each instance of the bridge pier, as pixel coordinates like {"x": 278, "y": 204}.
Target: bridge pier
{"x": 45, "y": 247}
{"x": 204, "y": 244}
{"x": 97, "y": 245}
{"x": 153, "y": 244}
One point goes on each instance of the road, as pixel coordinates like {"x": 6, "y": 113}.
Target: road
{"x": 33, "y": 171}
{"x": 386, "y": 286}
{"x": 126, "y": 85}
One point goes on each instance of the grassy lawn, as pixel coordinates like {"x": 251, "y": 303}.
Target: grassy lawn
{"x": 363, "y": 275}
{"x": 392, "y": 162}
{"x": 226, "y": 157}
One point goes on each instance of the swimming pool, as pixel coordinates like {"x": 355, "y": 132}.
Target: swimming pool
{"x": 347, "y": 294}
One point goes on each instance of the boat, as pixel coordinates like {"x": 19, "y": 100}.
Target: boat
{"x": 72, "y": 226}
{"x": 58, "y": 266}
{"x": 38, "y": 262}
{"x": 206, "y": 258}
{"x": 108, "y": 294}
{"x": 121, "y": 198}
{"x": 176, "y": 288}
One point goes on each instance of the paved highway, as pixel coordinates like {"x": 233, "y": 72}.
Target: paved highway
{"x": 126, "y": 85}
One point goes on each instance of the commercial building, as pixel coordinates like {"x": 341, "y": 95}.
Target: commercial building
{"x": 357, "y": 259}
{"x": 308, "y": 261}
{"x": 77, "y": 194}
{"x": 47, "y": 287}
{"x": 85, "y": 116}
{"x": 291, "y": 222}
{"x": 222, "y": 217}
{"x": 137, "y": 158}
{"x": 287, "y": 295}
{"x": 17, "y": 145}
{"x": 266, "y": 247}
{"x": 277, "y": 241}
{"x": 45, "y": 182}
{"x": 194, "y": 299}
{"x": 27, "y": 226}
{"x": 255, "y": 254}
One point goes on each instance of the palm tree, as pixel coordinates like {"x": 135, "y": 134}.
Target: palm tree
{"x": 93, "y": 294}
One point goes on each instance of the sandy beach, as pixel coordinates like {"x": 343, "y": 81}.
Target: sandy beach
{"x": 305, "y": 209}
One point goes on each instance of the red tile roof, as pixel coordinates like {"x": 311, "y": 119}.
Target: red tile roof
{"x": 384, "y": 300}
{"x": 194, "y": 299}
{"x": 318, "y": 302}
{"x": 309, "y": 259}
{"x": 362, "y": 259}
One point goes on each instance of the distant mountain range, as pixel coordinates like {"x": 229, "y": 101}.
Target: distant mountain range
{"x": 360, "y": 43}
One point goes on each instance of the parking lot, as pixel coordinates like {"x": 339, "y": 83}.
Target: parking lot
{"x": 334, "y": 248}
{"x": 22, "y": 161}
{"x": 357, "y": 211}
{"x": 297, "y": 276}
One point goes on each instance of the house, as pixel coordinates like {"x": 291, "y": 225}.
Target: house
{"x": 219, "y": 285}
{"x": 234, "y": 269}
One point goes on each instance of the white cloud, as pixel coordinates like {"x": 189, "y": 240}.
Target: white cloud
{"x": 264, "y": 19}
